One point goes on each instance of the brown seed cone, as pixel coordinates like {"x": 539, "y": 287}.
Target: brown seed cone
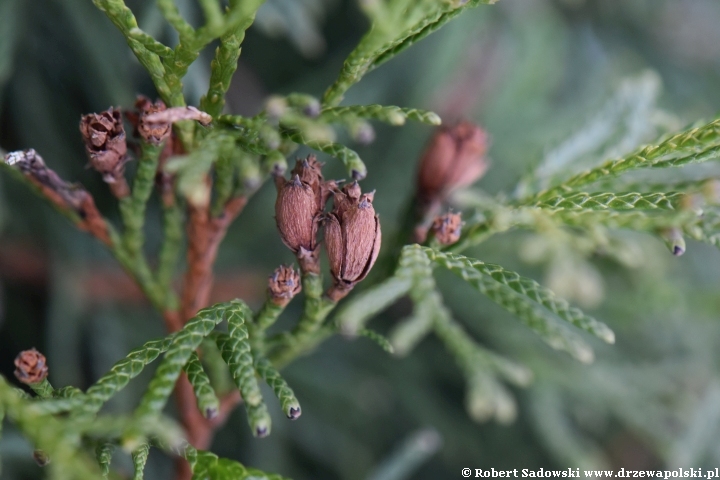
{"x": 295, "y": 212}
{"x": 352, "y": 238}
{"x": 454, "y": 158}
{"x": 283, "y": 285}
{"x": 105, "y": 143}
{"x": 447, "y": 228}
{"x": 298, "y": 208}
{"x": 30, "y": 367}
{"x": 309, "y": 171}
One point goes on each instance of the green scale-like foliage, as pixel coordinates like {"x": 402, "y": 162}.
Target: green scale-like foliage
{"x": 208, "y": 402}
{"x": 104, "y": 452}
{"x": 695, "y": 145}
{"x": 614, "y": 201}
{"x": 388, "y": 114}
{"x": 377, "y": 47}
{"x": 471, "y": 270}
{"x": 122, "y": 372}
{"x": 184, "y": 343}
{"x": 206, "y": 465}
{"x": 236, "y": 352}
{"x": 139, "y": 459}
{"x": 288, "y": 401}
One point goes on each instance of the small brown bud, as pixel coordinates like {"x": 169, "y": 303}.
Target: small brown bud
{"x": 152, "y": 132}
{"x": 300, "y": 202}
{"x": 30, "y": 367}
{"x": 283, "y": 285}
{"x": 454, "y": 158}
{"x": 352, "y": 238}
{"x": 446, "y": 228}
{"x": 41, "y": 458}
{"x": 106, "y": 146}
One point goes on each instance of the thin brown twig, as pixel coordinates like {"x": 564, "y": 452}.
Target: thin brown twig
{"x": 73, "y": 200}
{"x": 205, "y": 233}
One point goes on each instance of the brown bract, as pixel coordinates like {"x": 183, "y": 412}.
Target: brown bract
{"x": 283, "y": 285}
{"x": 30, "y": 367}
{"x": 300, "y": 203}
{"x": 105, "y": 143}
{"x": 446, "y": 228}
{"x": 352, "y": 238}
{"x": 454, "y": 158}
{"x": 168, "y": 116}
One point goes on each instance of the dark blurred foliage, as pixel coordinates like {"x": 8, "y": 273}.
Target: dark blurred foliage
{"x": 532, "y": 73}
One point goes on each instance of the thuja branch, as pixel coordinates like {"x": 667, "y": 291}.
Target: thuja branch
{"x": 380, "y": 44}
{"x": 133, "y": 207}
{"x": 72, "y": 201}
{"x": 205, "y": 233}
{"x": 147, "y": 50}
{"x": 695, "y": 145}
{"x": 316, "y": 308}
{"x": 226, "y": 55}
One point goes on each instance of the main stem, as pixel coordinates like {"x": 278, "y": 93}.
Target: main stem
{"x": 205, "y": 233}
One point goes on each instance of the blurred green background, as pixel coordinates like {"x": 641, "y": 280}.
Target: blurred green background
{"x": 560, "y": 83}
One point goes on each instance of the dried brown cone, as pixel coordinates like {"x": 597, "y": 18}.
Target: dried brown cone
{"x": 283, "y": 285}
{"x": 446, "y": 228}
{"x": 106, "y": 146}
{"x": 299, "y": 205}
{"x": 352, "y": 239}
{"x": 151, "y": 132}
{"x": 30, "y": 367}
{"x": 454, "y": 158}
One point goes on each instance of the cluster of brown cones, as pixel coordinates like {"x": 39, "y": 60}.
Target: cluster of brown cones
{"x": 351, "y": 228}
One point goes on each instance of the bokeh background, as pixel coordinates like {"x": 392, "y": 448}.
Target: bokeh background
{"x": 559, "y": 84}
